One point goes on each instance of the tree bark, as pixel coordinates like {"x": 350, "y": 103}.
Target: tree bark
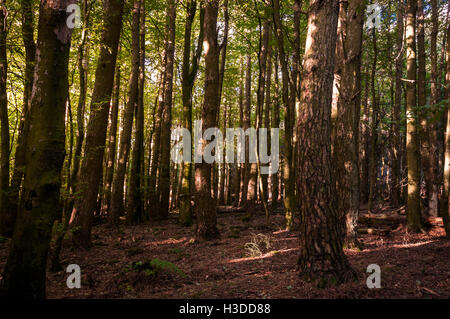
{"x": 346, "y": 126}
{"x": 91, "y": 168}
{"x": 321, "y": 239}
{"x": 205, "y": 204}
{"x": 412, "y": 139}
{"x": 24, "y": 273}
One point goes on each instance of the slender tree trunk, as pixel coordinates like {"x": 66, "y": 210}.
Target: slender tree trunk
{"x": 6, "y": 222}
{"x": 397, "y": 140}
{"x": 321, "y": 239}
{"x": 288, "y": 101}
{"x": 24, "y": 273}
{"x": 412, "y": 139}
{"x": 275, "y": 124}
{"x": 112, "y": 145}
{"x": 166, "y": 120}
{"x": 24, "y": 126}
{"x": 91, "y": 168}
{"x": 135, "y": 212}
{"x": 433, "y": 188}
{"x": 268, "y": 104}
{"x": 346, "y": 137}
{"x": 117, "y": 197}
{"x": 205, "y": 205}
{"x": 189, "y": 75}
{"x": 446, "y": 192}
{"x": 246, "y": 125}
{"x": 373, "y": 163}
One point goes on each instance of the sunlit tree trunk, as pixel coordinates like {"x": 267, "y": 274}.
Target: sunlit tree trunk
{"x": 412, "y": 139}
{"x": 321, "y": 255}
{"x": 205, "y": 204}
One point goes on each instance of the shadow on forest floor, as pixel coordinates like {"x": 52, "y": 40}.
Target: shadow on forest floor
{"x": 249, "y": 261}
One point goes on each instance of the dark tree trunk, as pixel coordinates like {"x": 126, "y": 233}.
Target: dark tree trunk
{"x": 24, "y": 273}
{"x": 91, "y": 168}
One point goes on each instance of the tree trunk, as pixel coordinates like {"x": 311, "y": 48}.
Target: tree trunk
{"x": 166, "y": 120}
{"x": 24, "y": 273}
{"x": 6, "y": 219}
{"x": 397, "y": 140}
{"x": 117, "y": 197}
{"x": 24, "y": 126}
{"x": 91, "y": 168}
{"x": 135, "y": 208}
{"x": 276, "y": 124}
{"x": 373, "y": 163}
{"x": 412, "y": 139}
{"x": 346, "y": 137}
{"x": 445, "y": 201}
{"x": 112, "y": 145}
{"x": 205, "y": 205}
{"x": 288, "y": 101}
{"x": 321, "y": 254}
{"x": 189, "y": 75}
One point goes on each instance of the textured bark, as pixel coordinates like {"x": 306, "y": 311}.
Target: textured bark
{"x": 412, "y": 139}
{"x": 189, "y": 76}
{"x": 245, "y": 125}
{"x": 24, "y": 273}
{"x": 166, "y": 120}
{"x": 321, "y": 255}
{"x": 6, "y": 219}
{"x": 397, "y": 140}
{"x": 205, "y": 204}
{"x": 91, "y": 168}
{"x": 117, "y": 196}
{"x": 288, "y": 101}
{"x": 135, "y": 207}
{"x": 24, "y": 126}
{"x": 268, "y": 104}
{"x": 347, "y": 87}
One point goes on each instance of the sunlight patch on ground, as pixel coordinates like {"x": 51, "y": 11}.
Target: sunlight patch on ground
{"x": 267, "y": 255}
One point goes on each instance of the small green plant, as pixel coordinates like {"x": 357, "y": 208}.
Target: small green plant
{"x": 2, "y": 240}
{"x": 258, "y": 246}
{"x": 154, "y": 267}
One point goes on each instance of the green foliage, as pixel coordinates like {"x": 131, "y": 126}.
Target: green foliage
{"x": 155, "y": 267}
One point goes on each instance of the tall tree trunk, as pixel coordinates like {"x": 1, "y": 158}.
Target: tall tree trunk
{"x": 446, "y": 192}
{"x": 24, "y": 126}
{"x": 6, "y": 222}
{"x": 412, "y": 139}
{"x": 321, "y": 254}
{"x": 189, "y": 74}
{"x": 246, "y": 125}
{"x": 24, "y": 273}
{"x": 268, "y": 104}
{"x": 205, "y": 205}
{"x": 433, "y": 187}
{"x": 373, "y": 163}
{"x": 135, "y": 213}
{"x": 112, "y": 145}
{"x": 288, "y": 101}
{"x": 397, "y": 140}
{"x": 166, "y": 120}
{"x": 117, "y": 197}
{"x": 82, "y": 70}
{"x": 91, "y": 168}
{"x": 275, "y": 124}
{"x": 346, "y": 137}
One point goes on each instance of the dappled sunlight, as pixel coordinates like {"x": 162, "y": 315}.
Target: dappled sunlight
{"x": 267, "y": 255}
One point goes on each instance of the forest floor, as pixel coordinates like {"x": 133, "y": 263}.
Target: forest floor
{"x": 119, "y": 265}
